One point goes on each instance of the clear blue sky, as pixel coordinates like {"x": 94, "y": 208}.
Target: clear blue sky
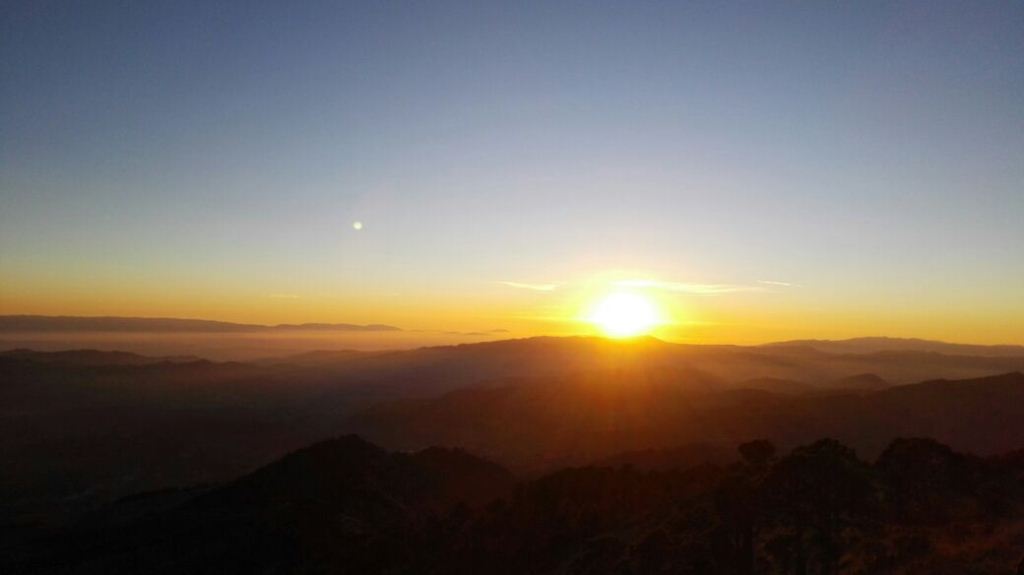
{"x": 166, "y": 158}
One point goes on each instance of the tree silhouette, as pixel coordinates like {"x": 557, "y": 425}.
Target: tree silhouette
{"x": 815, "y": 491}
{"x": 757, "y": 453}
{"x": 924, "y": 478}
{"x": 738, "y": 501}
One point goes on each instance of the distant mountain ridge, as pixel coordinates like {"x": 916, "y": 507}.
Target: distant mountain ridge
{"x": 58, "y": 324}
{"x": 431, "y": 371}
{"x": 864, "y": 345}
{"x": 859, "y": 345}
{"x": 570, "y": 420}
{"x": 92, "y": 357}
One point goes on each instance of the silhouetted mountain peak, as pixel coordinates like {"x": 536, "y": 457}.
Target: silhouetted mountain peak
{"x": 349, "y": 474}
{"x": 320, "y": 472}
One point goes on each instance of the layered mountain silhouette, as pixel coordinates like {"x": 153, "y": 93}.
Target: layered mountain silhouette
{"x": 347, "y": 506}
{"x": 536, "y": 423}
{"x": 88, "y": 427}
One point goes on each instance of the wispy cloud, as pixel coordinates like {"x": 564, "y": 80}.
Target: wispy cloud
{"x": 531, "y": 286}
{"x": 483, "y": 333}
{"x": 691, "y": 288}
{"x": 284, "y": 296}
{"x": 761, "y": 286}
{"x": 777, "y": 283}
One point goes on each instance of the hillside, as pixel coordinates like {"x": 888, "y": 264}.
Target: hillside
{"x": 537, "y": 424}
{"x": 346, "y": 506}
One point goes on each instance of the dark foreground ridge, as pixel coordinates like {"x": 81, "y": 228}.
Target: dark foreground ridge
{"x": 348, "y": 506}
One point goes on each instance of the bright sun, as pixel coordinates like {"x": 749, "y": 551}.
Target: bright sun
{"x": 625, "y": 314}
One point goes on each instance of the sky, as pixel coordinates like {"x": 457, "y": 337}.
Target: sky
{"x": 763, "y": 171}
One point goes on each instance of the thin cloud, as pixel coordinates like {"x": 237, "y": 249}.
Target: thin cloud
{"x": 284, "y": 296}
{"x": 486, "y": 333}
{"x": 531, "y": 286}
{"x": 777, "y": 283}
{"x": 691, "y": 288}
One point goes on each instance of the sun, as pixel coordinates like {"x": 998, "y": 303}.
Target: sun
{"x": 625, "y": 314}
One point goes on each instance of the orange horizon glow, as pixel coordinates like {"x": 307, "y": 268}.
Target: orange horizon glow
{"x": 686, "y": 313}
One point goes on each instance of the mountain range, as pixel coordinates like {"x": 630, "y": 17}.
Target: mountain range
{"x": 541, "y": 423}
{"x": 87, "y": 427}
{"x": 66, "y": 324}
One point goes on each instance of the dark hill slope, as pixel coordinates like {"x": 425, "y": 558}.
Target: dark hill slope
{"x": 345, "y": 506}
{"x": 339, "y": 506}
{"x": 548, "y": 422}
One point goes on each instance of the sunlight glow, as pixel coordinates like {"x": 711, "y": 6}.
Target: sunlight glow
{"x": 625, "y": 314}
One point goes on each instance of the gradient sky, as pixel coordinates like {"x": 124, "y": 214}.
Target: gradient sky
{"x": 510, "y": 161}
